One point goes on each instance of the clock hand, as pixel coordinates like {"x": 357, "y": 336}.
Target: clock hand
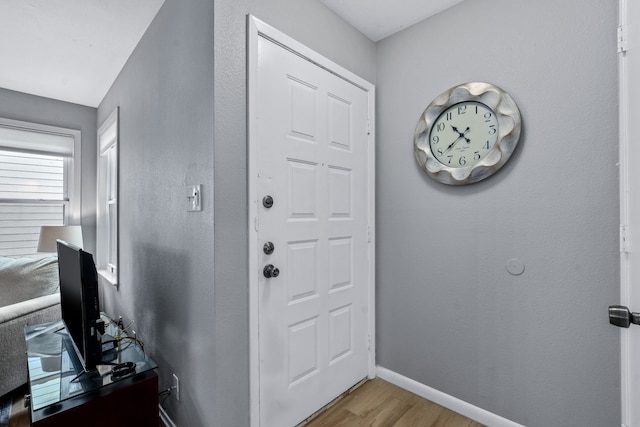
{"x": 453, "y": 143}
{"x": 462, "y": 134}
{"x": 465, "y": 132}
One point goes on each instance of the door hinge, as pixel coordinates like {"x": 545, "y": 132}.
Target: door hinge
{"x": 622, "y": 41}
{"x": 368, "y": 126}
{"x": 369, "y": 233}
{"x": 624, "y": 238}
{"x": 256, "y": 224}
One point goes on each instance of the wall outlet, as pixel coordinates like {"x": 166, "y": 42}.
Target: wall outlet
{"x": 176, "y": 387}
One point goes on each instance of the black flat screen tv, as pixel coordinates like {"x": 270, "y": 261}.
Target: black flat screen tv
{"x": 80, "y": 304}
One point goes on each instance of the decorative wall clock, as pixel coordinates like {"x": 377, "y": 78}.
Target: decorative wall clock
{"x": 467, "y": 133}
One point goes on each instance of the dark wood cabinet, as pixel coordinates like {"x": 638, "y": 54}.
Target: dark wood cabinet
{"x": 62, "y": 394}
{"x": 131, "y": 402}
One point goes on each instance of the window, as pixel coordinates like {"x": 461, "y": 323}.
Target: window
{"x": 107, "y": 209}
{"x": 39, "y": 183}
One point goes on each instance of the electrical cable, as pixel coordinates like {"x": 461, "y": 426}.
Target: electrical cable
{"x": 166, "y": 394}
{"x": 131, "y": 340}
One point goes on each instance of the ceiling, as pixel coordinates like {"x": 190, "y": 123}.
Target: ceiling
{"x": 378, "y": 19}
{"x": 73, "y": 50}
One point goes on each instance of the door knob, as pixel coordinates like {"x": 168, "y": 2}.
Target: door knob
{"x": 270, "y": 271}
{"x": 620, "y": 315}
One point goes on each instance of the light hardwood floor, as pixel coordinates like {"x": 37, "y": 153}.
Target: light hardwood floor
{"x": 381, "y": 404}
{"x": 19, "y": 414}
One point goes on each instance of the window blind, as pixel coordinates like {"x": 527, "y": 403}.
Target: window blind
{"x": 20, "y": 226}
{"x": 31, "y": 176}
{"x": 32, "y": 141}
{"x": 32, "y": 194}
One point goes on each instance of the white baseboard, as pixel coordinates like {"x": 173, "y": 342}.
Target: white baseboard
{"x": 461, "y": 407}
{"x": 165, "y": 418}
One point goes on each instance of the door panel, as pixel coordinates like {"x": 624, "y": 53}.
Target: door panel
{"x": 313, "y": 160}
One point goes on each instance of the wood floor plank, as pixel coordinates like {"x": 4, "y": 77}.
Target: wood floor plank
{"x": 338, "y": 417}
{"x": 422, "y": 414}
{"x": 451, "y": 419}
{"x": 19, "y": 414}
{"x": 386, "y": 414}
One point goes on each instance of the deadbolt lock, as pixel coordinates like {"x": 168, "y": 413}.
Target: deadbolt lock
{"x": 268, "y": 248}
{"x": 267, "y": 201}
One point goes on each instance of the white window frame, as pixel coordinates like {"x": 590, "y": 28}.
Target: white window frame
{"x": 72, "y": 199}
{"x": 107, "y": 248}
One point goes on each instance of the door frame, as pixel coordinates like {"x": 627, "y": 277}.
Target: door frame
{"x": 628, "y": 14}
{"x": 256, "y": 29}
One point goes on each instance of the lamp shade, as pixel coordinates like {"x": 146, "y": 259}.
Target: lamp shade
{"x": 49, "y": 234}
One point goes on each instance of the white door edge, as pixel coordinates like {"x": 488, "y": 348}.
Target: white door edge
{"x": 624, "y": 221}
{"x": 256, "y": 29}
{"x": 625, "y": 187}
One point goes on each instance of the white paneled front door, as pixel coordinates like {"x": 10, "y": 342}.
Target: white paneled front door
{"x": 313, "y": 192}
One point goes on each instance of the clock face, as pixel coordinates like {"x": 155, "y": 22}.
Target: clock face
{"x": 467, "y": 133}
{"x": 463, "y": 134}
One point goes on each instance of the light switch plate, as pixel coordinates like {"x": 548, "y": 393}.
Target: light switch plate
{"x": 194, "y": 198}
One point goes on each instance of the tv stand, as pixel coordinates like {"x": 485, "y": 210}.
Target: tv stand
{"x": 62, "y": 393}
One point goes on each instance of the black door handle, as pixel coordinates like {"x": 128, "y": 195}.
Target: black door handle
{"x": 621, "y": 316}
{"x": 270, "y": 271}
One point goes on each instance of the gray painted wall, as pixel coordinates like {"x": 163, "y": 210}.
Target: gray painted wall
{"x": 187, "y": 291}
{"x": 536, "y": 348}
{"x": 165, "y": 95}
{"x": 30, "y": 108}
